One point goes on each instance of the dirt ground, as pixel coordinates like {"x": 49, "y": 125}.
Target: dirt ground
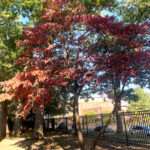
{"x": 58, "y": 142}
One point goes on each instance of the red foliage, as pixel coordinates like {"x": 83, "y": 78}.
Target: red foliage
{"x": 122, "y": 65}
{"x": 43, "y": 69}
{"x": 107, "y": 25}
{"x": 124, "y": 53}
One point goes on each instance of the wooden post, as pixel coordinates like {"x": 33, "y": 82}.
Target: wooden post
{"x": 66, "y": 123}
{"x": 83, "y": 127}
{"x": 48, "y": 122}
{"x": 102, "y": 121}
{"x": 53, "y": 123}
{"x": 125, "y": 127}
{"x": 3, "y": 119}
{"x": 87, "y": 130}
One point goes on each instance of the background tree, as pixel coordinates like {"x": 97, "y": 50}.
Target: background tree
{"x": 11, "y": 24}
{"x": 43, "y": 64}
{"x": 134, "y": 11}
{"x": 115, "y": 54}
{"x": 56, "y": 55}
{"x": 140, "y": 101}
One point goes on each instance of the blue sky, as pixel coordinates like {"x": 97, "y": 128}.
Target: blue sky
{"x": 24, "y": 20}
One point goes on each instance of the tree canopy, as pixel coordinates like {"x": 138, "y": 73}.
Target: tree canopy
{"x": 12, "y": 16}
{"x": 47, "y": 53}
{"x": 61, "y": 47}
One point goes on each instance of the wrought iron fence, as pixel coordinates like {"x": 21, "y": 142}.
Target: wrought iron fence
{"x": 136, "y": 126}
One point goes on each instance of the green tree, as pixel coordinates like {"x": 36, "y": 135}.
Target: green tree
{"x": 134, "y": 10}
{"x": 14, "y": 14}
{"x": 141, "y": 100}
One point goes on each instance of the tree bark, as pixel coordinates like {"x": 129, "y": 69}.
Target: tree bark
{"x": 3, "y": 119}
{"x": 118, "y": 116}
{"x": 17, "y": 126}
{"x": 76, "y": 117}
{"x": 75, "y": 108}
{"x": 78, "y": 124}
{"x": 117, "y": 99}
{"x": 38, "y": 127}
{"x": 17, "y": 121}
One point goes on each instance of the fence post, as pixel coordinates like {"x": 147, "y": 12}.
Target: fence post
{"x": 48, "y": 122}
{"x": 83, "y": 123}
{"x": 125, "y": 127}
{"x": 87, "y": 130}
{"x": 53, "y": 123}
{"x": 102, "y": 121}
{"x": 66, "y": 124}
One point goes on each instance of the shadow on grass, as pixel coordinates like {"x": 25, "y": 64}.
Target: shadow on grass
{"x": 66, "y": 141}
{"x": 50, "y": 142}
{"x": 111, "y": 144}
{"x": 30, "y": 144}
{"x": 61, "y": 141}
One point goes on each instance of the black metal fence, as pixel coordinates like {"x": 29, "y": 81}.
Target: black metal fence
{"x": 136, "y": 126}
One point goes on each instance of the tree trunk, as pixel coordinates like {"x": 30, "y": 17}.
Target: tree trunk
{"x": 77, "y": 123}
{"x": 117, "y": 99}
{"x": 75, "y": 108}
{"x": 17, "y": 126}
{"x": 76, "y": 117}
{"x": 3, "y": 119}
{"x": 118, "y": 116}
{"x": 17, "y": 121}
{"x": 38, "y": 127}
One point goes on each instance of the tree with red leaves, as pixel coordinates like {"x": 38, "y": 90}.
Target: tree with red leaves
{"x": 43, "y": 65}
{"x": 54, "y": 57}
{"x": 118, "y": 55}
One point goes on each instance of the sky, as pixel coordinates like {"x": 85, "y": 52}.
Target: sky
{"x": 24, "y": 20}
